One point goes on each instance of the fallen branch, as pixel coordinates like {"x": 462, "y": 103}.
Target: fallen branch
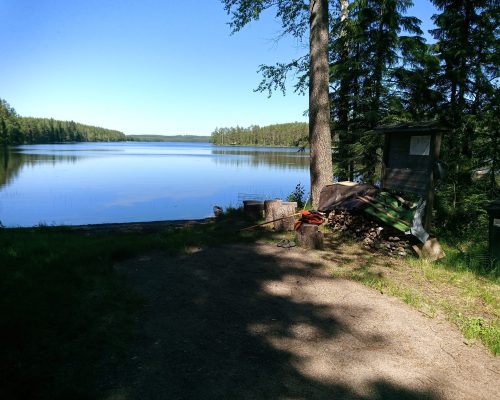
{"x": 269, "y": 222}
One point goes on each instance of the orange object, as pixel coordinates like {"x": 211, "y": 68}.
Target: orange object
{"x": 308, "y": 217}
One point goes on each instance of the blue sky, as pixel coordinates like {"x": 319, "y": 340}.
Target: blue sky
{"x": 144, "y": 66}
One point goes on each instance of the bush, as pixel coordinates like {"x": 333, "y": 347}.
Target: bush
{"x": 298, "y": 195}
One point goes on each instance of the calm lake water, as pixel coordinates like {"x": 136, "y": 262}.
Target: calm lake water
{"x": 89, "y": 183}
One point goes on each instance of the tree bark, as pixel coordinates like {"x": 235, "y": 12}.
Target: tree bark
{"x": 309, "y": 237}
{"x": 269, "y": 207}
{"x": 285, "y": 209}
{"x": 319, "y": 107}
{"x": 344, "y": 153}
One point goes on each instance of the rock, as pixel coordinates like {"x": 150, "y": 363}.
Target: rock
{"x": 431, "y": 250}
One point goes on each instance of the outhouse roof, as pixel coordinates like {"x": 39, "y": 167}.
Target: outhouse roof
{"x": 493, "y": 207}
{"x": 411, "y": 128}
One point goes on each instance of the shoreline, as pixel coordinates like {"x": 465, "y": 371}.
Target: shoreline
{"x": 125, "y": 227}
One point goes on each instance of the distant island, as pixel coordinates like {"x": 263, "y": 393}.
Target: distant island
{"x": 164, "y": 138}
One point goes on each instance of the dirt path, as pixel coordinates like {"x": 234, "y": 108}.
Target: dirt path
{"x": 255, "y": 321}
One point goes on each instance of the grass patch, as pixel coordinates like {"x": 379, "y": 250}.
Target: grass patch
{"x": 468, "y": 297}
{"x": 479, "y": 328}
{"x": 66, "y": 312}
{"x": 470, "y": 256}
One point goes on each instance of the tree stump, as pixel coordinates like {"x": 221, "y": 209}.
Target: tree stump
{"x": 253, "y": 208}
{"x": 310, "y": 237}
{"x": 285, "y": 209}
{"x": 269, "y": 206}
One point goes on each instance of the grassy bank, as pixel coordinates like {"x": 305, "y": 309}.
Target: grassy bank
{"x": 467, "y": 295}
{"x": 66, "y": 313}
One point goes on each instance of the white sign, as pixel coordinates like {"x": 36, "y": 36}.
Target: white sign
{"x": 420, "y": 145}
{"x": 496, "y": 222}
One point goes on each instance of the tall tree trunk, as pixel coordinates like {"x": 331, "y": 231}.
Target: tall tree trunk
{"x": 344, "y": 153}
{"x": 494, "y": 162}
{"x": 319, "y": 108}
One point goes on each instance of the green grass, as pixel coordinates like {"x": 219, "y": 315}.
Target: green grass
{"x": 467, "y": 297}
{"x": 479, "y": 328}
{"x": 63, "y": 306}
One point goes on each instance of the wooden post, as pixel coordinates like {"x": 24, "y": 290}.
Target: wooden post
{"x": 385, "y": 158}
{"x": 269, "y": 206}
{"x": 429, "y": 196}
{"x": 284, "y": 209}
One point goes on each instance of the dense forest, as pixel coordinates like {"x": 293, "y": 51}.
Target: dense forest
{"x": 15, "y": 129}
{"x": 382, "y": 70}
{"x": 284, "y": 135}
{"x": 164, "y": 138}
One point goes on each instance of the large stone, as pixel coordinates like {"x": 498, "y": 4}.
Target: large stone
{"x": 431, "y": 250}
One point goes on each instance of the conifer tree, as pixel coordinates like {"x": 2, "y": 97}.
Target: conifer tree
{"x": 467, "y": 46}
{"x": 299, "y": 17}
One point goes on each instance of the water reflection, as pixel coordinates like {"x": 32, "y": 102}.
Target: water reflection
{"x": 13, "y": 160}
{"x": 126, "y": 182}
{"x": 277, "y": 158}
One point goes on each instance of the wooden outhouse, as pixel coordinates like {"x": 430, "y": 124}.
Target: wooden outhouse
{"x": 410, "y": 160}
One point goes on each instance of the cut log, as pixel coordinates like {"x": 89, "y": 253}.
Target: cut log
{"x": 253, "y": 208}
{"x": 282, "y": 210}
{"x": 310, "y": 237}
{"x": 269, "y": 206}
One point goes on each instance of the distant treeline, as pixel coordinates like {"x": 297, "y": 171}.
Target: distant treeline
{"x": 163, "y": 138}
{"x": 286, "y": 135}
{"x": 15, "y": 129}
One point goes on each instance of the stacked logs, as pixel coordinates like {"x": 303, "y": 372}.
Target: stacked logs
{"x": 373, "y": 234}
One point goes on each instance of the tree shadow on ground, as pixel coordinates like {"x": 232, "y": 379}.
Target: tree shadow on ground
{"x": 235, "y": 322}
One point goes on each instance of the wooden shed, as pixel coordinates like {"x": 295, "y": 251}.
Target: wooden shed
{"x": 411, "y": 152}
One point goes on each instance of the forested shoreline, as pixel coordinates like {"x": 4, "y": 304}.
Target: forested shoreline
{"x": 164, "y": 138}
{"x": 281, "y": 135}
{"x": 15, "y": 130}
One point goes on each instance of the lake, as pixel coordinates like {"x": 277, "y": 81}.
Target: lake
{"x": 91, "y": 183}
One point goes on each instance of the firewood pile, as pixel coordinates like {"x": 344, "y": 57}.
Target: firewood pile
{"x": 374, "y": 235}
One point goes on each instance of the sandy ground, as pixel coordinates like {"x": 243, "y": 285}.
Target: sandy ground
{"x": 254, "y": 321}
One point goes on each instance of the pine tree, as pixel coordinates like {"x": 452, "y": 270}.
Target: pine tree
{"x": 366, "y": 48}
{"x": 467, "y": 47}
{"x": 298, "y": 18}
